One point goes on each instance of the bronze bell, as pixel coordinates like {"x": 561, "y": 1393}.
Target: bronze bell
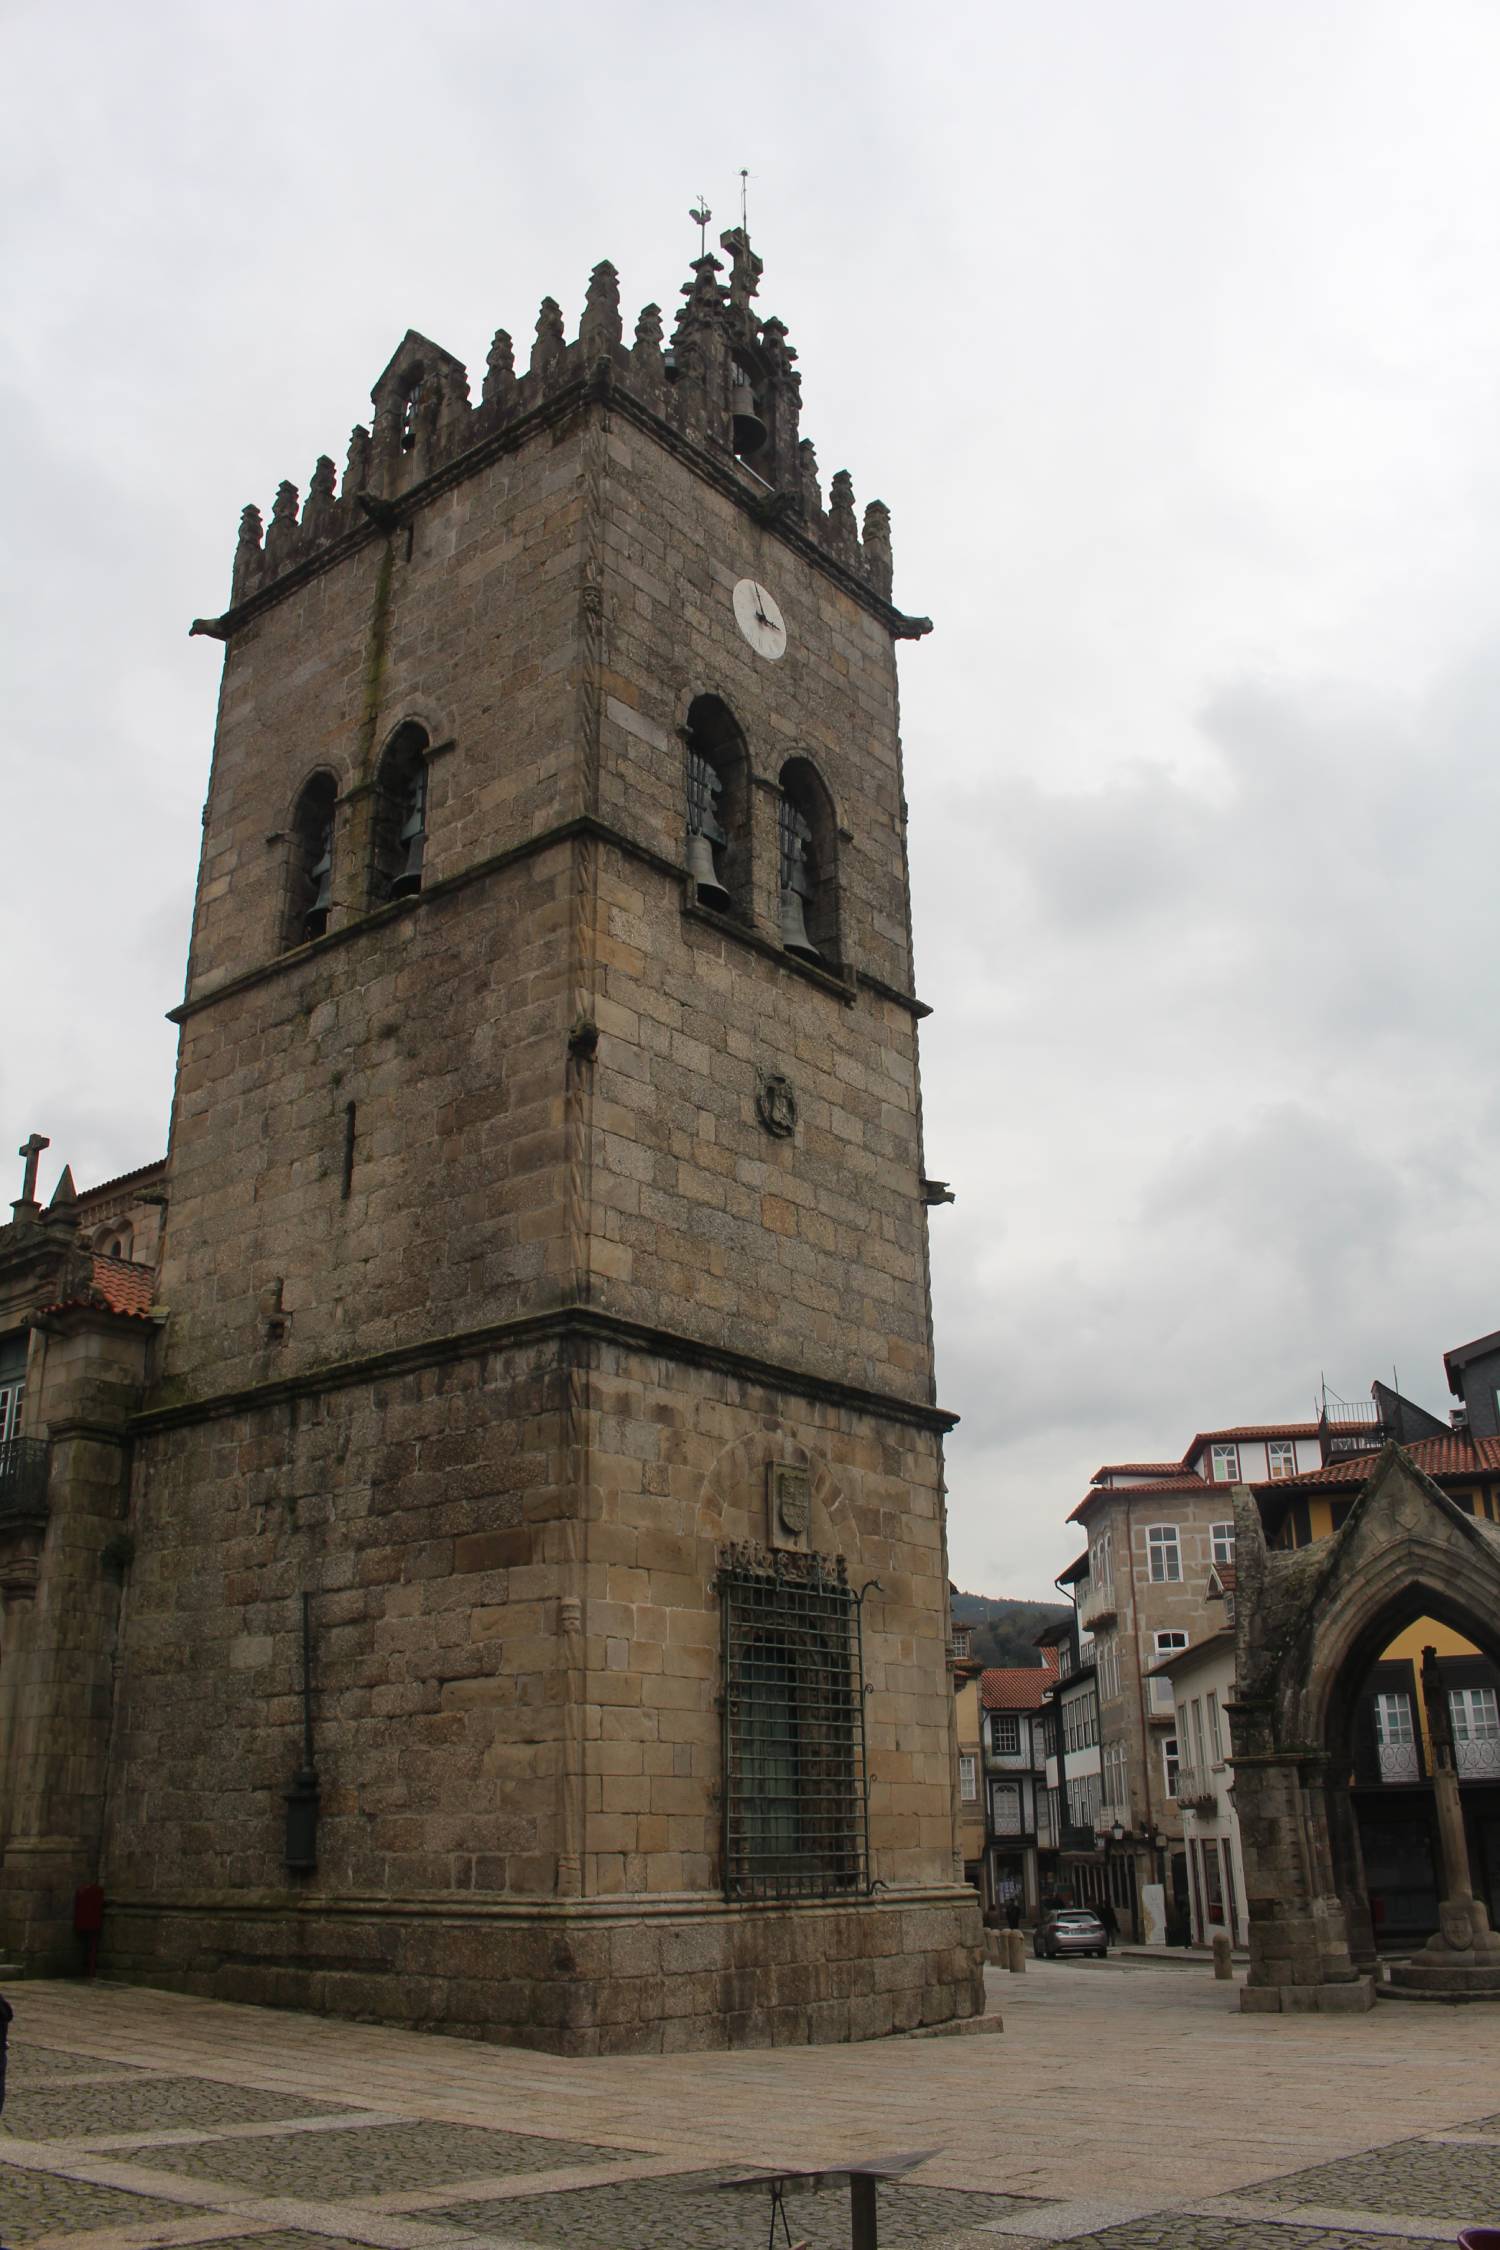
{"x": 750, "y": 432}
{"x": 705, "y": 875}
{"x": 413, "y": 837}
{"x": 320, "y": 875}
{"x": 796, "y": 882}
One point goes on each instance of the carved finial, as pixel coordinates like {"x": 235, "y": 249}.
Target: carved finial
{"x": 320, "y": 497}
{"x": 600, "y": 329}
{"x": 807, "y": 467}
{"x": 745, "y": 268}
{"x": 877, "y": 542}
{"x": 357, "y": 468}
{"x": 550, "y": 343}
{"x": 247, "y": 555}
{"x": 65, "y": 1192}
{"x": 646, "y": 362}
{"x": 499, "y": 370}
{"x": 281, "y": 539}
{"x": 841, "y": 521}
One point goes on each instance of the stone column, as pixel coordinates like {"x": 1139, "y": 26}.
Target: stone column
{"x": 1462, "y": 1958}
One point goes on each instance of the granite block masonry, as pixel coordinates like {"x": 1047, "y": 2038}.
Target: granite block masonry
{"x": 535, "y": 1600}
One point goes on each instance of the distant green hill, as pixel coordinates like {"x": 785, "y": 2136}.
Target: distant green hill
{"x": 1003, "y": 1632}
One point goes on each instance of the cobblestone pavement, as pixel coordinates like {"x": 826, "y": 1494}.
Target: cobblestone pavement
{"x": 1125, "y": 2110}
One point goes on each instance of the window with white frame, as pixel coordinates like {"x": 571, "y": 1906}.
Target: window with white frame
{"x": 1213, "y": 1728}
{"x": 1115, "y": 1771}
{"x": 1396, "y": 1738}
{"x": 1167, "y": 1644}
{"x": 1005, "y": 1734}
{"x": 1476, "y": 1714}
{"x": 968, "y": 1776}
{"x": 1005, "y": 1808}
{"x": 1164, "y": 1550}
{"x": 961, "y": 1643}
{"x": 1222, "y": 1535}
{"x": 1195, "y": 1731}
{"x": 1107, "y": 1662}
{"x": 1101, "y": 1563}
{"x": 1169, "y": 1764}
{"x": 12, "y": 1386}
{"x": 1224, "y": 1463}
{"x": 1281, "y": 1457}
{"x": 1083, "y": 1800}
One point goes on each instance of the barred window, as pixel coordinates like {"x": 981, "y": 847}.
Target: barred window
{"x": 796, "y": 1816}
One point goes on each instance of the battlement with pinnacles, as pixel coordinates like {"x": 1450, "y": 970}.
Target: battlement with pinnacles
{"x": 725, "y": 389}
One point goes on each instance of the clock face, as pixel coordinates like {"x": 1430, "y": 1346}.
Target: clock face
{"x": 759, "y": 619}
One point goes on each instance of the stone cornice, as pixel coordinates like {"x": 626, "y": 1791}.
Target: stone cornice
{"x": 568, "y": 1324}
{"x": 599, "y": 386}
{"x": 564, "y": 832}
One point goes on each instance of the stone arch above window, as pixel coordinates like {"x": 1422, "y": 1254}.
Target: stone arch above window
{"x": 718, "y": 807}
{"x": 309, "y": 889}
{"x": 116, "y": 1241}
{"x": 399, "y": 827}
{"x": 807, "y": 838}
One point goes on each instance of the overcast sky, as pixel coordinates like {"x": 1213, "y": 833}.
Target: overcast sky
{"x": 1171, "y": 335}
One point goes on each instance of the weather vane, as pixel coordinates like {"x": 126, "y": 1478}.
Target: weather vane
{"x": 700, "y": 215}
{"x": 744, "y": 214}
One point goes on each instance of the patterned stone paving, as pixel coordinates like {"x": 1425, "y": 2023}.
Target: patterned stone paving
{"x": 681, "y": 2213}
{"x": 381, "y": 2160}
{"x": 27, "y": 2064}
{"x": 1182, "y": 2231}
{"x": 33, "y": 2204}
{"x": 146, "y": 2103}
{"x": 1419, "y": 2179}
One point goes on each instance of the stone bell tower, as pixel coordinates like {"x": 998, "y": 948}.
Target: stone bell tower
{"x": 538, "y": 1608}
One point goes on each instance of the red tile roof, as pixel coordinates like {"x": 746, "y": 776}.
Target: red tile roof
{"x": 1456, "y": 1455}
{"x": 1178, "y": 1483}
{"x": 1016, "y": 1688}
{"x": 119, "y": 1286}
{"x": 1135, "y": 1469}
{"x": 1252, "y": 1430}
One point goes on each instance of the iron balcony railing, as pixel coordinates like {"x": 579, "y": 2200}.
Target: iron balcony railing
{"x": 1096, "y": 1603}
{"x": 1477, "y": 1758}
{"x": 23, "y": 1478}
{"x": 1195, "y": 1787}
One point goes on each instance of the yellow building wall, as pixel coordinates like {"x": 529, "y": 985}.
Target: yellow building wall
{"x": 968, "y": 1726}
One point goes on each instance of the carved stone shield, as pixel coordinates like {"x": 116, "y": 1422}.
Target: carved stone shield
{"x": 776, "y": 1105}
{"x": 790, "y": 1510}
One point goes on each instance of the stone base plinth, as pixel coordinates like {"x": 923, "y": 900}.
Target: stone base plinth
{"x": 1352, "y": 1997}
{"x": 1476, "y": 1977}
{"x": 574, "y": 1977}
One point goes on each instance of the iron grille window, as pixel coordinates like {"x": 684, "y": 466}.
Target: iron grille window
{"x": 796, "y": 1810}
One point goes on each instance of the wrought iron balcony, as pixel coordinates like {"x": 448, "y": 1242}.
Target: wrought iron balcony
{"x": 23, "y": 1480}
{"x": 1097, "y": 1604}
{"x": 1195, "y": 1789}
{"x": 1477, "y": 1758}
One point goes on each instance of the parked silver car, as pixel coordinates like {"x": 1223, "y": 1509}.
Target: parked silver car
{"x": 1069, "y": 1929}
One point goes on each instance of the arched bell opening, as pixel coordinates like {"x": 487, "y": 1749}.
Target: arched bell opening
{"x": 718, "y": 808}
{"x": 749, "y": 409}
{"x": 399, "y": 828}
{"x": 309, "y": 888}
{"x": 1379, "y": 1802}
{"x": 807, "y": 836}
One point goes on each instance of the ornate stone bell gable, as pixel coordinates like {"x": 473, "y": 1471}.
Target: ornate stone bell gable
{"x": 1309, "y": 1624}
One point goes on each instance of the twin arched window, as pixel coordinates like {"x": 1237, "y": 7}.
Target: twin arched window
{"x": 719, "y": 836}
{"x": 398, "y": 838}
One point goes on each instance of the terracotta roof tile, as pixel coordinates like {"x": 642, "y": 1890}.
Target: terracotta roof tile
{"x": 1180, "y": 1481}
{"x": 1456, "y": 1455}
{"x": 1016, "y": 1688}
{"x": 118, "y": 1285}
{"x": 1136, "y": 1469}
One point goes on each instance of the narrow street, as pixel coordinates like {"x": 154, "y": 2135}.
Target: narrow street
{"x": 1125, "y": 2105}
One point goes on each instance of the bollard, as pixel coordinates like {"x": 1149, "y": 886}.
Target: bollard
{"x": 1223, "y": 1966}
{"x": 1015, "y": 1946}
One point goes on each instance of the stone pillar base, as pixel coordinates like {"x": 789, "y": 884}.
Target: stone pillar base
{"x": 1349, "y": 1998}
{"x": 647, "y": 1975}
{"x": 38, "y": 1878}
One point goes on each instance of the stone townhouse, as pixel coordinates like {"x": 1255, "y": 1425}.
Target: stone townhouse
{"x": 506, "y": 1589}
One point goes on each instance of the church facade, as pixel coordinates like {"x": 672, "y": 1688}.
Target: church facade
{"x": 527, "y": 1603}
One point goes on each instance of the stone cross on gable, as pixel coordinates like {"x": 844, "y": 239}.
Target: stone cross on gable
{"x": 30, "y": 1151}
